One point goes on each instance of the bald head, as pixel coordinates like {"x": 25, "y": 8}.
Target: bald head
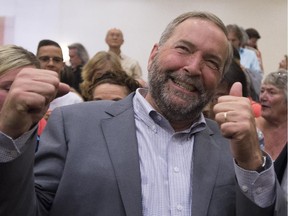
{"x": 114, "y": 38}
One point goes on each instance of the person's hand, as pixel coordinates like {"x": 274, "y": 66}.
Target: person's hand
{"x": 235, "y": 117}
{"x": 28, "y": 100}
{"x": 284, "y": 63}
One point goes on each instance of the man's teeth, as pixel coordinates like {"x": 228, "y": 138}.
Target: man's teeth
{"x": 185, "y": 85}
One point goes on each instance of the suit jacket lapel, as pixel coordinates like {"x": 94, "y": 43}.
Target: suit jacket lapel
{"x": 120, "y": 135}
{"x": 206, "y": 157}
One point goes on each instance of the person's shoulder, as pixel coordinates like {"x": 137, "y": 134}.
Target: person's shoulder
{"x": 245, "y": 50}
{"x": 74, "y": 95}
{"x": 85, "y": 113}
{"x": 69, "y": 98}
{"x": 251, "y": 48}
{"x": 86, "y": 110}
{"x": 249, "y": 52}
{"x": 101, "y": 106}
{"x": 128, "y": 58}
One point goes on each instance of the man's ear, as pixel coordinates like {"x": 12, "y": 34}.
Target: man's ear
{"x": 152, "y": 54}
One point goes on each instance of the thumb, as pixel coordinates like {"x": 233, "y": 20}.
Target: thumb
{"x": 236, "y": 89}
{"x": 63, "y": 89}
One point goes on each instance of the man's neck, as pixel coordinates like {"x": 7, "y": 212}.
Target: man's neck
{"x": 115, "y": 50}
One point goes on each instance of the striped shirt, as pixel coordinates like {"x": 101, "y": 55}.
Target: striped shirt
{"x": 165, "y": 161}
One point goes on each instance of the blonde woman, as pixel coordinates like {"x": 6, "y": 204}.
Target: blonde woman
{"x": 102, "y": 61}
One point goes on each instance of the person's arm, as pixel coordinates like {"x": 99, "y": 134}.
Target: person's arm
{"x": 25, "y": 104}
{"x": 11, "y": 149}
{"x": 28, "y": 100}
{"x": 237, "y": 123}
{"x": 258, "y": 186}
{"x": 17, "y": 195}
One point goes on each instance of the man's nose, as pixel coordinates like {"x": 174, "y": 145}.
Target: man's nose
{"x": 194, "y": 64}
{"x": 50, "y": 62}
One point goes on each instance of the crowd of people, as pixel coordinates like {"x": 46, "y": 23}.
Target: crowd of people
{"x": 186, "y": 142}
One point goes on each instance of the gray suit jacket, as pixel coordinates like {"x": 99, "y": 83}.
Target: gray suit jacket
{"x": 88, "y": 164}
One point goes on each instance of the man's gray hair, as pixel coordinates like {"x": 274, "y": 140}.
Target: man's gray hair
{"x": 81, "y": 52}
{"x": 169, "y": 30}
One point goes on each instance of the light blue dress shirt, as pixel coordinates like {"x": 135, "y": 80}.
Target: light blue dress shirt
{"x": 249, "y": 60}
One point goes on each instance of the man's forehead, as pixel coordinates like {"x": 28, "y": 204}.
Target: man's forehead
{"x": 196, "y": 26}
{"x": 203, "y": 22}
{"x": 115, "y": 31}
{"x": 50, "y": 48}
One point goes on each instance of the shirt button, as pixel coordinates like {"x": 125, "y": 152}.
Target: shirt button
{"x": 179, "y": 207}
{"x": 159, "y": 118}
{"x": 176, "y": 169}
{"x": 244, "y": 188}
{"x": 259, "y": 190}
{"x": 154, "y": 128}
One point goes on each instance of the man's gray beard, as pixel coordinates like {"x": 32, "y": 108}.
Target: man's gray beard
{"x": 172, "y": 111}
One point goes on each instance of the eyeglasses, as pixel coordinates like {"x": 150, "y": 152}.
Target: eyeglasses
{"x": 46, "y": 59}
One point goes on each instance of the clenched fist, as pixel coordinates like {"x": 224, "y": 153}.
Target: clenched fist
{"x": 28, "y": 100}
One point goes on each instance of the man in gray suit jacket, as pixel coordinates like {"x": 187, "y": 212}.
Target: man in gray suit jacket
{"x": 152, "y": 153}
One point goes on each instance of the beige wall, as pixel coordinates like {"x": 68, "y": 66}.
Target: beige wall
{"x": 142, "y": 22}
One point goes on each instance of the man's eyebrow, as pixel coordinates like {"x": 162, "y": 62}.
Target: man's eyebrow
{"x": 213, "y": 56}
{"x": 187, "y": 43}
{"x": 206, "y": 55}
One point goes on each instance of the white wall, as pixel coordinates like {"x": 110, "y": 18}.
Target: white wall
{"x": 142, "y": 21}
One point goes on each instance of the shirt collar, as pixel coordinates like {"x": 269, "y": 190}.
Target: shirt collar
{"x": 144, "y": 111}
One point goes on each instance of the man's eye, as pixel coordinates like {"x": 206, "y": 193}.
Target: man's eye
{"x": 212, "y": 65}
{"x": 57, "y": 60}
{"x": 54, "y": 59}
{"x": 182, "y": 48}
{"x": 44, "y": 58}
{"x": 7, "y": 88}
